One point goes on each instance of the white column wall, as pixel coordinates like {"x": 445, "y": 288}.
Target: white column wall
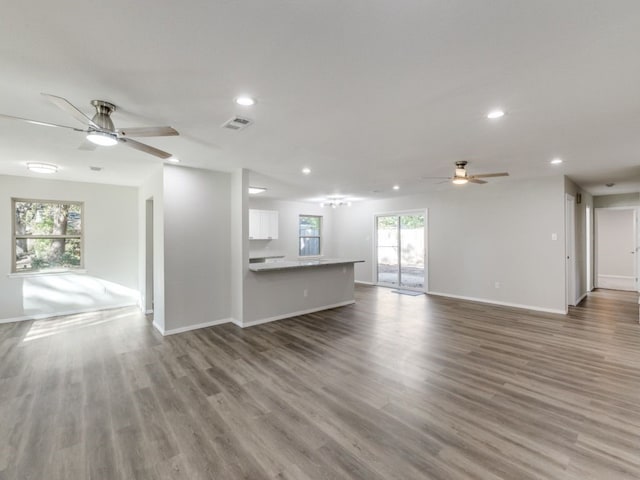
{"x": 197, "y": 247}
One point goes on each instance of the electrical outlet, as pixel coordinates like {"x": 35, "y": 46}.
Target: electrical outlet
{"x": 497, "y": 284}
{"x": 305, "y": 292}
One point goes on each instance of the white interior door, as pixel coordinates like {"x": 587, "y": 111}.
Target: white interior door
{"x": 616, "y": 248}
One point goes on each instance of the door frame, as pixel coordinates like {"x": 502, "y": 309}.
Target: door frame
{"x": 148, "y": 253}
{"x": 636, "y": 262}
{"x": 571, "y": 277}
{"x": 417, "y": 211}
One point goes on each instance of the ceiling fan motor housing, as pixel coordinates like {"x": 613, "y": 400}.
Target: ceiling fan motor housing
{"x": 102, "y": 118}
{"x": 461, "y": 170}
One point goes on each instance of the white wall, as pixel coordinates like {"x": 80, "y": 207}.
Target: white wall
{"x": 281, "y": 293}
{"x": 620, "y": 200}
{"x": 478, "y": 235}
{"x": 197, "y": 247}
{"x": 288, "y": 217}
{"x": 110, "y": 251}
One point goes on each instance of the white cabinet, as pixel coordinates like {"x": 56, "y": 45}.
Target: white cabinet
{"x": 263, "y": 224}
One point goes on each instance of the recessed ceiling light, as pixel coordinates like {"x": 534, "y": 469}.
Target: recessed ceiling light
{"x": 306, "y": 170}
{"x": 103, "y": 139}
{"x": 556, "y": 161}
{"x": 42, "y": 167}
{"x": 256, "y": 190}
{"x": 173, "y": 160}
{"x": 245, "y": 101}
{"x": 396, "y": 187}
{"x": 493, "y": 114}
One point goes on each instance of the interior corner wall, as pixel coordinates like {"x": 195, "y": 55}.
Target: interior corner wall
{"x": 153, "y": 189}
{"x": 197, "y": 247}
{"x": 580, "y": 234}
{"x": 288, "y": 228}
{"x": 110, "y": 251}
{"x": 477, "y": 236}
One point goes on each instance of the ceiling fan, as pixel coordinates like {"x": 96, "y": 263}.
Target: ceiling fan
{"x": 100, "y": 129}
{"x": 460, "y": 175}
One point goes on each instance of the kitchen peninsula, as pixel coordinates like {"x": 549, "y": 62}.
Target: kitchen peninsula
{"x": 289, "y": 287}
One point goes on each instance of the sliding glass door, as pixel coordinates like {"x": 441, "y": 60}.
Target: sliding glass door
{"x": 400, "y": 250}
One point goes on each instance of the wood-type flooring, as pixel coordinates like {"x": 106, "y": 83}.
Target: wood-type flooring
{"x": 393, "y": 387}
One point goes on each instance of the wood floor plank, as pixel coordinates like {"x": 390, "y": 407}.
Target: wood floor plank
{"x": 390, "y": 388}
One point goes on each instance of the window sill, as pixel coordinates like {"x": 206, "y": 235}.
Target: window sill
{"x": 43, "y": 274}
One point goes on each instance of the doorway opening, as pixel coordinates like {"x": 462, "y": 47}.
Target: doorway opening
{"x": 401, "y": 250}
{"x": 148, "y": 296}
{"x": 615, "y": 248}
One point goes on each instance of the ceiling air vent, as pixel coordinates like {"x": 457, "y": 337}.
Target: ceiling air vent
{"x": 237, "y": 123}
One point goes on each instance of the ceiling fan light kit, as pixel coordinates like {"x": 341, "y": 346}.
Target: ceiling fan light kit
{"x": 102, "y": 138}
{"x": 100, "y": 129}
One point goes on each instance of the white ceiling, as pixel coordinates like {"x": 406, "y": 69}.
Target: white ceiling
{"x": 366, "y": 93}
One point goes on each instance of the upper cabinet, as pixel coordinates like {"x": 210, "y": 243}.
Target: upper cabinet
{"x": 263, "y": 224}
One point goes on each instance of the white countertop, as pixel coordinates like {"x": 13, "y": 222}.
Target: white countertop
{"x": 299, "y": 263}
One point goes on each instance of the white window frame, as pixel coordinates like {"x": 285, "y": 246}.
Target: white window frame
{"x": 319, "y": 236}
{"x": 15, "y": 236}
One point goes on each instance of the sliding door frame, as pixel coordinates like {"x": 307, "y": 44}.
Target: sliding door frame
{"x": 399, "y": 213}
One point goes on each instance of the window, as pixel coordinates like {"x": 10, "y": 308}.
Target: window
{"x": 47, "y": 235}
{"x": 310, "y": 227}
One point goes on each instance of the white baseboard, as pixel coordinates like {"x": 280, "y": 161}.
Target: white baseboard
{"x": 497, "y": 302}
{"x": 364, "y": 283}
{"x": 42, "y": 316}
{"x": 158, "y": 328}
{"x": 198, "y": 326}
{"x": 253, "y": 323}
{"x": 616, "y": 282}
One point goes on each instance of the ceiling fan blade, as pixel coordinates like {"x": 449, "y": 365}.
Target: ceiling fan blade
{"x": 65, "y": 105}
{"x": 148, "y": 132}
{"x": 475, "y": 180}
{"x": 44, "y": 124}
{"x": 143, "y": 147}
{"x": 489, "y": 175}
